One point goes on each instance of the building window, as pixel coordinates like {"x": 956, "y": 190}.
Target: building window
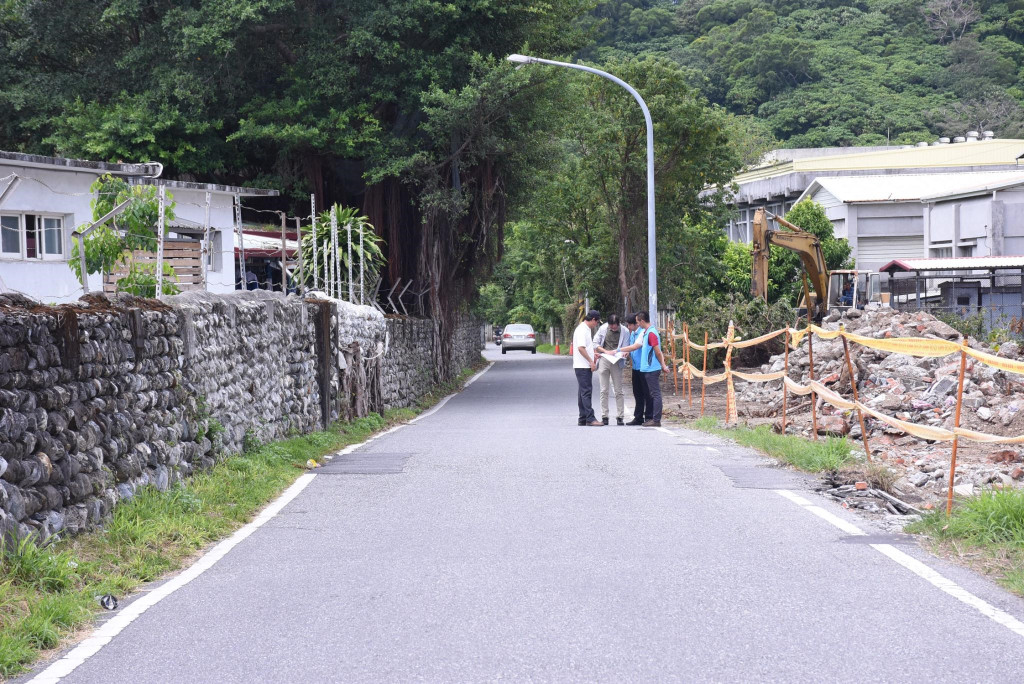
{"x": 53, "y": 237}
{"x": 28, "y": 236}
{"x": 10, "y": 235}
{"x": 965, "y": 251}
{"x": 963, "y": 301}
{"x": 942, "y": 252}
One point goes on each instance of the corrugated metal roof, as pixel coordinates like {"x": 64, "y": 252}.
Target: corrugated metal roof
{"x": 998, "y": 152}
{"x": 909, "y": 187}
{"x": 955, "y": 264}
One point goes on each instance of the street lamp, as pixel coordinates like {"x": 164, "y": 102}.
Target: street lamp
{"x": 652, "y": 262}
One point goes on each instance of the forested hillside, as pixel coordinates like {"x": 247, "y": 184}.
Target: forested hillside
{"x": 821, "y": 72}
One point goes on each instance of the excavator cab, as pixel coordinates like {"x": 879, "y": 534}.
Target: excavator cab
{"x": 848, "y": 289}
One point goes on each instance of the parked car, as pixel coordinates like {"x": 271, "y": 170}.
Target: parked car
{"x": 519, "y": 336}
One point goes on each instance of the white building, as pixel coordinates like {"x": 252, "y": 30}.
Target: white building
{"x": 43, "y": 199}
{"x": 785, "y": 175}
{"x": 914, "y": 216}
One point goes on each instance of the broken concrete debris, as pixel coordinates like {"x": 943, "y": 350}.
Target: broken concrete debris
{"x": 918, "y": 390}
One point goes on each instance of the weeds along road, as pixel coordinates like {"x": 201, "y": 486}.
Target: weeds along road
{"x": 512, "y": 544}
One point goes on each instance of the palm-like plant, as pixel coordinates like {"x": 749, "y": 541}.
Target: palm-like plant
{"x": 318, "y": 253}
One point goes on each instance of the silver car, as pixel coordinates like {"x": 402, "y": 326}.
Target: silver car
{"x": 518, "y": 336}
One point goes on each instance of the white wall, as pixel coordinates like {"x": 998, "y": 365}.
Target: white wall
{"x": 65, "y": 193}
{"x": 191, "y": 206}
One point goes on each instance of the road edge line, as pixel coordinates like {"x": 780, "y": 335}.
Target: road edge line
{"x": 116, "y": 624}
{"x": 915, "y": 566}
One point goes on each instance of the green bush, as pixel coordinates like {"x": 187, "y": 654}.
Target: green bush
{"x": 751, "y": 317}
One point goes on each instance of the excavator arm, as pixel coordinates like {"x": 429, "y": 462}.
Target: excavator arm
{"x": 806, "y": 245}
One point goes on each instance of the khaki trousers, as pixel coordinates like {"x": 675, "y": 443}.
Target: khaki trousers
{"x": 606, "y": 370}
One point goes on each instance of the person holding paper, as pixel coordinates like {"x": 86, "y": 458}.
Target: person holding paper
{"x": 652, "y": 364}
{"x": 608, "y": 341}
{"x": 584, "y": 362}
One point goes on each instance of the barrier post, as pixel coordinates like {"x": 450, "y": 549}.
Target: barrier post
{"x": 814, "y": 397}
{"x": 956, "y": 423}
{"x": 688, "y": 378}
{"x": 705, "y": 370}
{"x": 785, "y": 368}
{"x": 853, "y": 385}
{"x": 730, "y": 392}
{"x": 672, "y": 340}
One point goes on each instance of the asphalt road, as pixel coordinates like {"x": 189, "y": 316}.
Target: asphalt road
{"x": 518, "y": 546}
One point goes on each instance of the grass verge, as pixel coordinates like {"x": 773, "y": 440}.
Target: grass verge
{"x": 48, "y": 593}
{"x": 984, "y": 532}
{"x": 550, "y": 349}
{"x": 814, "y": 457}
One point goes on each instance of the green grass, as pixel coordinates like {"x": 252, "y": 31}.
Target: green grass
{"x": 47, "y": 593}
{"x": 550, "y": 349}
{"x": 828, "y": 454}
{"x": 986, "y": 532}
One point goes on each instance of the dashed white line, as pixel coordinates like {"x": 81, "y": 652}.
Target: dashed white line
{"x": 666, "y": 431}
{"x": 915, "y": 566}
{"x": 712, "y": 450}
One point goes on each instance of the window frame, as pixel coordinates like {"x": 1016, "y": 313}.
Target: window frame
{"x": 20, "y": 254}
{"x": 41, "y": 230}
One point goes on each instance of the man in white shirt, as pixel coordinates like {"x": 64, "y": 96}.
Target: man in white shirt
{"x": 610, "y": 338}
{"x": 584, "y": 362}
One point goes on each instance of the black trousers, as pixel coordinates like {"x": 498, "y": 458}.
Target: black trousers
{"x": 654, "y": 394}
{"x": 585, "y": 394}
{"x": 643, "y": 406}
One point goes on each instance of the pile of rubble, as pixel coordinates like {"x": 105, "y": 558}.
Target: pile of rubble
{"x": 918, "y": 390}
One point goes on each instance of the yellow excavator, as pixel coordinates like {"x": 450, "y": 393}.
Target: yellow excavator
{"x": 840, "y": 289}
{"x": 806, "y": 245}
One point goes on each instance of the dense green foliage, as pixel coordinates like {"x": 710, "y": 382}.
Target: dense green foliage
{"x": 820, "y": 72}
{"x": 112, "y": 244}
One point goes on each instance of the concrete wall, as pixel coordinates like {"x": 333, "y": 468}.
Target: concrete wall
{"x": 99, "y": 400}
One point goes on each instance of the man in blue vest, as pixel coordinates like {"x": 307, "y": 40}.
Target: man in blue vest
{"x": 641, "y": 407}
{"x": 652, "y": 364}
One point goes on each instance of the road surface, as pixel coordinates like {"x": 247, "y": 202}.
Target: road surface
{"x": 513, "y": 545}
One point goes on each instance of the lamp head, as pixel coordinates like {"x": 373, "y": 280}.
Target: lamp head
{"x": 520, "y": 59}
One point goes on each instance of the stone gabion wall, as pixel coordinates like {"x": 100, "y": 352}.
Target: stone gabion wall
{"x": 251, "y": 359}
{"x": 91, "y": 405}
{"x": 100, "y": 399}
{"x": 408, "y": 369}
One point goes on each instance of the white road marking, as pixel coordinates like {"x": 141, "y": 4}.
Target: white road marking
{"x": 115, "y": 625}
{"x": 666, "y": 431}
{"x": 450, "y": 396}
{"x": 712, "y": 450}
{"x": 915, "y": 566}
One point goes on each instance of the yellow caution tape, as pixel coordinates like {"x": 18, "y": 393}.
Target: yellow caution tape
{"x": 830, "y": 396}
{"x": 986, "y": 437}
{"x": 712, "y": 379}
{"x": 759, "y": 377}
{"x": 758, "y": 340}
{"x": 999, "y": 362}
{"x": 920, "y": 431}
{"x": 826, "y": 334}
{"x": 797, "y": 388}
{"x": 911, "y": 346}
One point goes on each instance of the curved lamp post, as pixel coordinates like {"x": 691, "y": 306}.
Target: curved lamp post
{"x": 652, "y": 262}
